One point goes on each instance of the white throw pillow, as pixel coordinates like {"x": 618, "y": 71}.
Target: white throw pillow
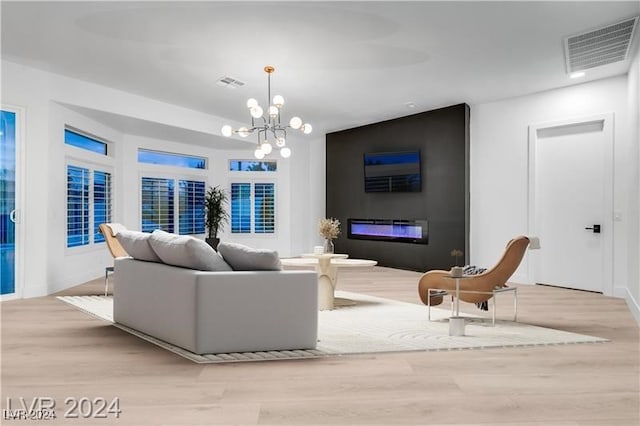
{"x": 136, "y": 244}
{"x": 243, "y": 258}
{"x": 187, "y": 252}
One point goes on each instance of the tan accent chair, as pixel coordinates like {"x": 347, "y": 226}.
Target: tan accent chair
{"x": 435, "y": 285}
{"x": 110, "y": 230}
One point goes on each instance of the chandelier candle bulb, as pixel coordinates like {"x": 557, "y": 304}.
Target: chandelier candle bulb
{"x": 278, "y": 101}
{"x": 295, "y": 122}
{"x": 256, "y": 111}
{"x": 266, "y": 147}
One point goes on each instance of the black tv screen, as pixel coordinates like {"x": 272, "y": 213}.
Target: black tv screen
{"x": 392, "y": 172}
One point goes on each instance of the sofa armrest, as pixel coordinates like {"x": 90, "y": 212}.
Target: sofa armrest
{"x": 155, "y": 298}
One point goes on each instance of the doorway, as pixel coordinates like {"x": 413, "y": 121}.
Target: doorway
{"x": 571, "y": 203}
{"x": 10, "y": 137}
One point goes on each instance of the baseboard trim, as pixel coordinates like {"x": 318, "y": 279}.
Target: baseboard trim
{"x": 633, "y": 304}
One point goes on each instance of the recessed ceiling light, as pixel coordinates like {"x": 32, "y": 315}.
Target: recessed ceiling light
{"x": 576, "y": 74}
{"x": 410, "y": 105}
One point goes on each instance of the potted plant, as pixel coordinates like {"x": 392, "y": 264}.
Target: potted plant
{"x": 215, "y": 204}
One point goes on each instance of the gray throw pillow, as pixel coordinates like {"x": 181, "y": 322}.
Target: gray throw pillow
{"x": 243, "y": 258}
{"x": 187, "y": 252}
{"x": 136, "y": 244}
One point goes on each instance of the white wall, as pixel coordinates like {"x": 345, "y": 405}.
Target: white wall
{"x": 49, "y": 265}
{"x": 499, "y": 161}
{"x": 633, "y": 295}
{"x": 69, "y": 266}
{"x": 23, "y": 89}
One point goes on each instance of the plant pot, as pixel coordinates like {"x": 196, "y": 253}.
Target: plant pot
{"x": 213, "y": 242}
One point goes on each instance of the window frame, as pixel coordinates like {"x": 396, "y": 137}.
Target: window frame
{"x": 174, "y": 154}
{"x": 76, "y": 150}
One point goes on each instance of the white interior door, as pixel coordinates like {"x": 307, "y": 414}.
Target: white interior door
{"x": 572, "y": 203}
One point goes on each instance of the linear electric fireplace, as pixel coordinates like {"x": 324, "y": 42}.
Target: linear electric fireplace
{"x": 405, "y": 231}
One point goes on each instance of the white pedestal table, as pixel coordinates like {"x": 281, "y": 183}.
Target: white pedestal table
{"x": 326, "y": 265}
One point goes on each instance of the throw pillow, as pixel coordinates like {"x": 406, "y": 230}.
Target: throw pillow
{"x": 243, "y": 258}
{"x": 136, "y": 244}
{"x": 187, "y": 252}
{"x": 475, "y": 270}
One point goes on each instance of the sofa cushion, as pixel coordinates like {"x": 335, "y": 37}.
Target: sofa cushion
{"x": 136, "y": 244}
{"x": 186, "y": 251}
{"x": 243, "y": 258}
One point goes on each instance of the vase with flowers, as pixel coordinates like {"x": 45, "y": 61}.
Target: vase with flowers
{"x": 329, "y": 229}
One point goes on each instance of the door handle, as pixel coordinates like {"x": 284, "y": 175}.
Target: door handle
{"x": 595, "y": 228}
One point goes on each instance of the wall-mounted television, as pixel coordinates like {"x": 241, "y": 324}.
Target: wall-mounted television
{"x": 392, "y": 172}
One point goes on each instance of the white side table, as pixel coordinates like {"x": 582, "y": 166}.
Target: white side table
{"x": 456, "y": 322}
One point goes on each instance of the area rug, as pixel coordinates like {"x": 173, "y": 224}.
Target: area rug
{"x": 367, "y": 324}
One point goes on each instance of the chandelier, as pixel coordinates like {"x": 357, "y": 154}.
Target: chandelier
{"x": 269, "y": 129}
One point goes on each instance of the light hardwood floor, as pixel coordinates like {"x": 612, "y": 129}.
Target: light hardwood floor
{"x": 50, "y": 349}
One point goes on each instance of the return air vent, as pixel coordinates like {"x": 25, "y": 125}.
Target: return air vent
{"x": 599, "y": 47}
{"x": 229, "y": 82}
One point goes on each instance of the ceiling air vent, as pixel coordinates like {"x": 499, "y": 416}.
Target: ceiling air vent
{"x": 599, "y": 47}
{"x": 229, "y": 82}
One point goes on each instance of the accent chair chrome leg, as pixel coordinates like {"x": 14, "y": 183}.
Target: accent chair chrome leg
{"x": 515, "y": 305}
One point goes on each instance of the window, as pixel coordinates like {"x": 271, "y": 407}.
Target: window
{"x": 240, "y": 208}
{"x": 170, "y": 159}
{"x": 84, "y": 142}
{"x": 253, "y": 166}
{"x": 161, "y": 205}
{"x": 157, "y": 204}
{"x": 253, "y": 208}
{"x": 77, "y": 206}
{"x": 88, "y": 204}
{"x": 264, "y": 208}
{"x": 101, "y": 202}
{"x": 191, "y": 213}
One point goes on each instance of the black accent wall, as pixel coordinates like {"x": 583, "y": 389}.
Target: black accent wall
{"x": 442, "y": 136}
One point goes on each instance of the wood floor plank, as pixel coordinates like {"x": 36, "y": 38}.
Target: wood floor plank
{"x": 50, "y": 348}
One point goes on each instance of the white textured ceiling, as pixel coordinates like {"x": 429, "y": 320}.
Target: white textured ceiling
{"x": 338, "y": 64}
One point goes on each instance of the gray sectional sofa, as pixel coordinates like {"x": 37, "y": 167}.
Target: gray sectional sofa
{"x": 215, "y": 311}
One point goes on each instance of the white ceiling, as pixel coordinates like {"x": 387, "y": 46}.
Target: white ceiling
{"x": 338, "y": 64}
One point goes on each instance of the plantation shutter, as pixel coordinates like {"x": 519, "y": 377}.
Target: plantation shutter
{"x": 101, "y": 202}
{"x": 191, "y": 213}
{"x": 157, "y": 204}
{"x": 264, "y": 208}
{"x": 77, "y": 206}
{"x": 240, "y": 208}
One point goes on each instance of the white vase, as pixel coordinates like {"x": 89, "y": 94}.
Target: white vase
{"x": 328, "y": 246}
